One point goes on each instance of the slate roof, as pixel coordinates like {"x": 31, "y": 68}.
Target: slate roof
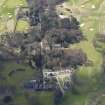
{"x": 38, "y": 86}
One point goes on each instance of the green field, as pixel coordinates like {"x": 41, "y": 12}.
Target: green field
{"x": 7, "y": 13}
{"x": 91, "y": 15}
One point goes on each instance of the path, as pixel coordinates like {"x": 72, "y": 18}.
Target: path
{"x": 10, "y": 25}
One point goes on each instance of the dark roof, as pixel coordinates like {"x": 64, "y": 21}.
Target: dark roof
{"x": 38, "y": 86}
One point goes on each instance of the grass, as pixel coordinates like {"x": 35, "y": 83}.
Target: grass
{"x": 22, "y": 25}
{"x": 21, "y": 100}
{"x": 71, "y": 99}
{"x": 17, "y": 78}
{"x": 9, "y": 6}
{"x": 93, "y": 20}
{"x": 44, "y": 98}
{"x": 90, "y": 22}
{"x": 97, "y": 3}
{"x": 8, "y": 9}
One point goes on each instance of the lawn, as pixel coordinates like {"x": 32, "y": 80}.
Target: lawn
{"x": 91, "y": 22}
{"x": 7, "y": 12}
{"x": 22, "y": 25}
{"x": 17, "y": 77}
{"x": 91, "y": 19}
{"x": 44, "y": 98}
{"x": 10, "y": 5}
{"x": 91, "y": 26}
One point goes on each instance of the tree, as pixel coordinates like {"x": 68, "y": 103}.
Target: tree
{"x": 74, "y": 23}
{"x": 99, "y": 42}
{"x": 74, "y": 58}
{"x": 16, "y": 39}
{"x": 39, "y": 60}
{"x": 65, "y": 58}
{"x": 51, "y": 18}
{"x": 65, "y": 23}
{"x": 63, "y": 36}
{"x": 58, "y": 96}
{"x": 7, "y": 99}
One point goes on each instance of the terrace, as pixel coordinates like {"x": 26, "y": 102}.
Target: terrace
{"x": 66, "y": 73}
